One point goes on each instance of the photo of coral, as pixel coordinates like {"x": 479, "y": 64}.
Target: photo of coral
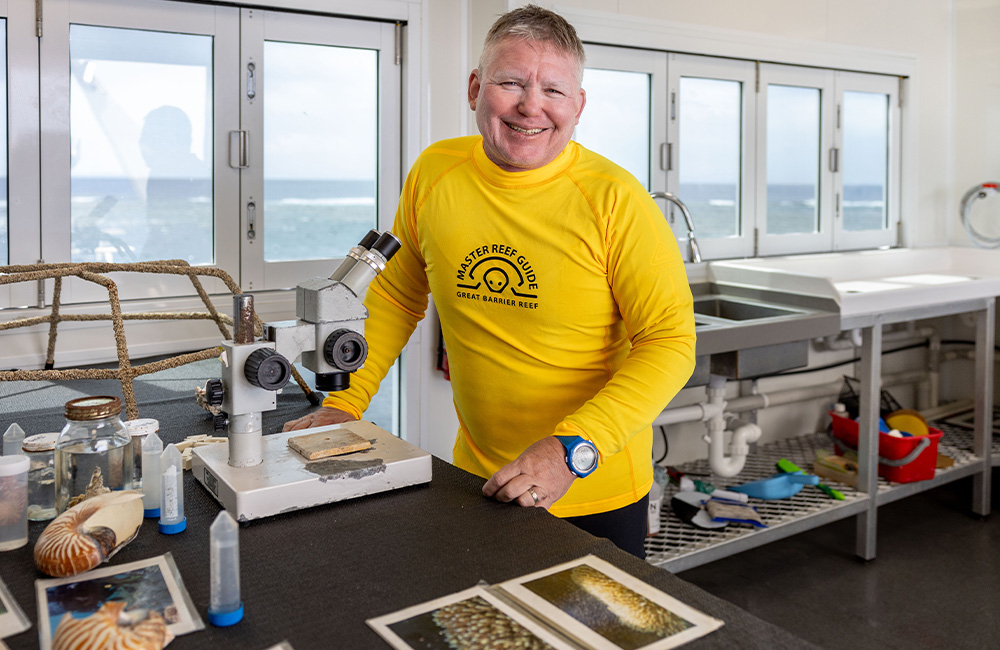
{"x": 470, "y": 624}
{"x": 609, "y": 608}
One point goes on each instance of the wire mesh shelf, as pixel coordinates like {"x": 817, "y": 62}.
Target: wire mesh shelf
{"x": 678, "y": 545}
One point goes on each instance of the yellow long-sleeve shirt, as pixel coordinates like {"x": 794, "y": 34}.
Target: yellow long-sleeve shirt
{"x": 564, "y": 305}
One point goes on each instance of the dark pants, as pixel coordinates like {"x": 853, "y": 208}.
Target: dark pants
{"x": 626, "y": 526}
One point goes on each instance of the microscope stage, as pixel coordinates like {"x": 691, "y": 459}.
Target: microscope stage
{"x": 286, "y": 481}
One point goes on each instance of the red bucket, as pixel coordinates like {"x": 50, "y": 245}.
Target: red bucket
{"x": 900, "y": 460}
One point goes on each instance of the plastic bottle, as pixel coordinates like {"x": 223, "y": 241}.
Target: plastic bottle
{"x": 172, "y": 519}
{"x": 13, "y": 438}
{"x": 40, "y": 450}
{"x": 13, "y": 501}
{"x": 152, "y": 448}
{"x": 225, "y": 607}
{"x": 93, "y": 450}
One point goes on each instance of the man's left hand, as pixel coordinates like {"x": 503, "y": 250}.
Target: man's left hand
{"x": 541, "y": 469}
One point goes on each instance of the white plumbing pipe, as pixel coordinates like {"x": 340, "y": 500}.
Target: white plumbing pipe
{"x": 743, "y": 433}
{"x": 850, "y": 339}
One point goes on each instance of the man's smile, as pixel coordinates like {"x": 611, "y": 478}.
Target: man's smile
{"x": 523, "y": 130}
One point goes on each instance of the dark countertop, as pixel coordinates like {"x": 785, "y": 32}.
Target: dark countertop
{"x": 313, "y": 577}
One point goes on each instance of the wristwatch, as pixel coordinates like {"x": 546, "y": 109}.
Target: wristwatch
{"x": 581, "y": 455}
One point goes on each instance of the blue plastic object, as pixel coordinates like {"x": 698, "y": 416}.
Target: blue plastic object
{"x": 225, "y": 619}
{"x": 779, "y": 486}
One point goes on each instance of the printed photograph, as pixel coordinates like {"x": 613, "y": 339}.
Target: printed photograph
{"x": 12, "y": 619}
{"x": 142, "y": 595}
{"x": 469, "y": 620}
{"x": 608, "y": 608}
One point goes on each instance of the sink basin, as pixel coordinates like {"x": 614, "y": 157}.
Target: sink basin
{"x": 748, "y": 332}
{"x": 738, "y": 310}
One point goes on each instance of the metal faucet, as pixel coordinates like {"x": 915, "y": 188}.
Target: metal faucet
{"x": 692, "y": 242}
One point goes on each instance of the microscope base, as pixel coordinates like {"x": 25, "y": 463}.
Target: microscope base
{"x": 286, "y": 481}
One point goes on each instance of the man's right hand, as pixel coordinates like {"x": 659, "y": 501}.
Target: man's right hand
{"x": 321, "y": 417}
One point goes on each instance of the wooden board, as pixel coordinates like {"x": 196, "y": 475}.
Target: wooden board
{"x": 328, "y": 443}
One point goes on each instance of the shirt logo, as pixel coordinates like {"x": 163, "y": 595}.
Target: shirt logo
{"x": 497, "y": 273}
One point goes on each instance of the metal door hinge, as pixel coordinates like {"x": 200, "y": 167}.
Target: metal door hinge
{"x": 756, "y": 81}
{"x": 836, "y": 207}
{"x": 900, "y": 94}
{"x": 399, "y": 44}
{"x": 756, "y": 241}
{"x": 834, "y": 159}
{"x": 238, "y": 154}
{"x": 251, "y": 220}
{"x": 838, "y": 117}
{"x": 38, "y": 18}
{"x": 673, "y": 105}
{"x": 251, "y": 80}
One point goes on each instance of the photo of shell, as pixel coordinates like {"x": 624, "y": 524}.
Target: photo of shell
{"x": 471, "y": 624}
{"x": 144, "y": 600}
{"x": 143, "y": 588}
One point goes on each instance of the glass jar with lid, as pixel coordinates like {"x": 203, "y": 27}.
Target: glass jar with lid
{"x": 93, "y": 451}
{"x": 40, "y": 450}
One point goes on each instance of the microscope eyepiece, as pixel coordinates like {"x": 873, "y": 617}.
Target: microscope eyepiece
{"x": 369, "y": 240}
{"x": 387, "y": 245}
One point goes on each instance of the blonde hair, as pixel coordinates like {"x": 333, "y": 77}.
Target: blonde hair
{"x": 533, "y": 23}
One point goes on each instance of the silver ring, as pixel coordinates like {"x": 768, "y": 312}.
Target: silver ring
{"x": 534, "y": 496}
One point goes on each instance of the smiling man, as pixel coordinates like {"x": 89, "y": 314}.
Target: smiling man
{"x": 561, "y": 292}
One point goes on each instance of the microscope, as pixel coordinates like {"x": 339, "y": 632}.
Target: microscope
{"x": 257, "y": 476}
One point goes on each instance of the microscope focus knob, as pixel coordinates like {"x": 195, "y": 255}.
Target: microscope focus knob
{"x": 267, "y": 369}
{"x": 214, "y": 392}
{"x": 345, "y": 350}
{"x": 220, "y": 422}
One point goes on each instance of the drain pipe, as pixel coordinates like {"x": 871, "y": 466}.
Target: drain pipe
{"x": 722, "y": 463}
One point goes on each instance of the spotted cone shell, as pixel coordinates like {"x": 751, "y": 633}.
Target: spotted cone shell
{"x": 89, "y": 533}
{"x": 111, "y": 628}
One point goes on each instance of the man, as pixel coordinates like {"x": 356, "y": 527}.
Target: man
{"x": 562, "y": 295}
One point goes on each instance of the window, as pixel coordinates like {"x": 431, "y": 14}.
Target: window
{"x": 265, "y": 143}
{"x": 769, "y": 159}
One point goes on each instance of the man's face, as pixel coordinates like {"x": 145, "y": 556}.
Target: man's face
{"x": 527, "y": 102}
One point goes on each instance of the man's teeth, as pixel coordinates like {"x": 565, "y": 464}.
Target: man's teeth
{"x": 525, "y": 131}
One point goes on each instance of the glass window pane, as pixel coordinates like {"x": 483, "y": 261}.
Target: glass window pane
{"x": 793, "y": 159}
{"x": 615, "y": 122}
{"x": 865, "y": 160}
{"x": 320, "y": 149}
{"x": 4, "y": 230}
{"x": 141, "y": 146}
{"x": 710, "y": 143}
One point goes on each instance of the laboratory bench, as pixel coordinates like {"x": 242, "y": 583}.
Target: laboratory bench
{"x": 313, "y": 577}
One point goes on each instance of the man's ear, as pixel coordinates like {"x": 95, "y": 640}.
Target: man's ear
{"x": 583, "y": 102}
{"x": 473, "y": 88}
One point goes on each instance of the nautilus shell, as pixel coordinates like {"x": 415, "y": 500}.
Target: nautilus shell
{"x": 89, "y": 533}
{"x": 111, "y": 628}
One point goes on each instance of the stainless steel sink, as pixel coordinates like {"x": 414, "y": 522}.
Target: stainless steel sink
{"x": 738, "y": 310}
{"x": 746, "y": 332}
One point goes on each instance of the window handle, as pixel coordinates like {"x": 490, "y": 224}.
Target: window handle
{"x": 238, "y": 156}
{"x": 251, "y": 81}
{"x": 251, "y": 220}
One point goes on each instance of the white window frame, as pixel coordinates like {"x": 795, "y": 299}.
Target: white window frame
{"x": 260, "y": 26}
{"x": 797, "y": 243}
{"x": 221, "y": 23}
{"x": 23, "y": 193}
{"x": 743, "y": 72}
{"x": 654, "y": 64}
{"x": 889, "y": 86}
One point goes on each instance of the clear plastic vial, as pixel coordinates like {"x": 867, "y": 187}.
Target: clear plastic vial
{"x": 172, "y": 519}
{"x": 93, "y": 450}
{"x": 152, "y": 449}
{"x": 40, "y": 450}
{"x": 139, "y": 429}
{"x": 13, "y": 502}
{"x": 225, "y": 607}
{"x": 13, "y": 438}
